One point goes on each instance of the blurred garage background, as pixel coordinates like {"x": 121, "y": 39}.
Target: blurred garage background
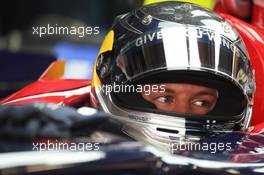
{"x": 24, "y": 56}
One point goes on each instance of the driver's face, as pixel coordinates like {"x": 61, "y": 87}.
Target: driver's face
{"x": 184, "y": 98}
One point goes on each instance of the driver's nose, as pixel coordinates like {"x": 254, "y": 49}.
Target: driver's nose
{"x": 181, "y": 106}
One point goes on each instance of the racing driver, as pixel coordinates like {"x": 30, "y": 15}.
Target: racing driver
{"x": 177, "y": 72}
{"x": 167, "y": 71}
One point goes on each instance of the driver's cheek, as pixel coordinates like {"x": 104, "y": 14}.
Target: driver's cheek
{"x": 199, "y": 110}
{"x": 181, "y": 107}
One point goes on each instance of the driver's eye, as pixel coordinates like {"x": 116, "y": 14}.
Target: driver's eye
{"x": 201, "y": 103}
{"x": 164, "y": 99}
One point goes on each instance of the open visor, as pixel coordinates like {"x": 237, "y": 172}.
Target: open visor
{"x": 190, "y": 56}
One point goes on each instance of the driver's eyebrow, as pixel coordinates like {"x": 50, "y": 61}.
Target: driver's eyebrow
{"x": 204, "y": 92}
{"x": 167, "y": 90}
{"x": 199, "y": 93}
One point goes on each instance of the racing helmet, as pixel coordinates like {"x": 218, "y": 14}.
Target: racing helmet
{"x": 206, "y": 4}
{"x": 166, "y": 44}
